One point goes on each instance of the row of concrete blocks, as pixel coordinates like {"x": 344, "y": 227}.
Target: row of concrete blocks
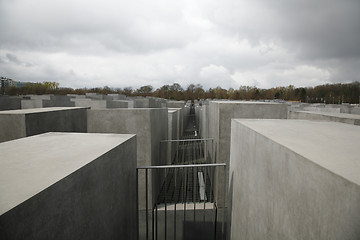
{"x": 287, "y": 179}
{"x": 152, "y": 125}
{"x": 94, "y": 101}
{"x": 250, "y": 171}
{"x": 326, "y": 108}
{"x": 83, "y": 176}
{"x": 285, "y": 182}
{"x": 215, "y": 118}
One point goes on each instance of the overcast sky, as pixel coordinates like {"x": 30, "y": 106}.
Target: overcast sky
{"x": 227, "y": 43}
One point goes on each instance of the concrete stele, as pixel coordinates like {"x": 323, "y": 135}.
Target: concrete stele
{"x": 20, "y": 123}
{"x": 294, "y": 179}
{"x": 326, "y": 116}
{"x": 220, "y": 114}
{"x": 38, "y": 174}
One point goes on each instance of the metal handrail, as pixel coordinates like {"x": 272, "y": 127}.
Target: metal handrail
{"x": 183, "y": 166}
{"x": 154, "y": 208}
{"x": 188, "y": 140}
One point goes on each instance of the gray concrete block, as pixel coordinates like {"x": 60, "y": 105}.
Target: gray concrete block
{"x": 94, "y": 96}
{"x": 32, "y": 103}
{"x": 40, "y": 101}
{"x": 204, "y": 121}
{"x": 180, "y": 119}
{"x": 173, "y": 133}
{"x": 155, "y": 102}
{"x": 91, "y": 103}
{"x": 39, "y": 97}
{"x": 9, "y": 103}
{"x": 141, "y": 103}
{"x": 76, "y": 96}
{"x": 326, "y": 116}
{"x": 294, "y": 179}
{"x": 148, "y": 102}
{"x": 178, "y": 105}
{"x": 175, "y": 104}
{"x": 322, "y": 109}
{"x": 117, "y": 96}
{"x": 117, "y": 104}
{"x": 61, "y": 98}
{"x": 355, "y": 110}
{"x": 150, "y": 126}
{"x": 55, "y": 103}
{"x": 220, "y": 115}
{"x": 59, "y": 101}
{"x": 68, "y": 186}
{"x": 27, "y": 122}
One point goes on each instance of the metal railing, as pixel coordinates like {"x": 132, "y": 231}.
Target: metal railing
{"x": 184, "y": 189}
{"x": 187, "y": 151}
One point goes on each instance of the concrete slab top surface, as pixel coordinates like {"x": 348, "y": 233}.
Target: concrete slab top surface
{"x": 331, "y": 114}
{"x": 246, "y": 102}
{"x": 331, "y": 145}
{"x": 40, "y": 110}
{"x": 30, "y": 165}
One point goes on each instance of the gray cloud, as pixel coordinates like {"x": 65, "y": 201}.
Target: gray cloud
{"x": 230, "y": 42}
{"x": 109, "y": 25}
{"x": 12, "y": 58}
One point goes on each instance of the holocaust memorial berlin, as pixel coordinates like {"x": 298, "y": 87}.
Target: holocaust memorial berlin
{"x": 111, "y": 166}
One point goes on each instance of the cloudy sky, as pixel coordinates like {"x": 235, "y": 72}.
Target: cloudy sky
{"x": 227, "y": 43}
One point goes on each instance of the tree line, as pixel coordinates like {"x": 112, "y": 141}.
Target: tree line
{"x": 328, "y": 93}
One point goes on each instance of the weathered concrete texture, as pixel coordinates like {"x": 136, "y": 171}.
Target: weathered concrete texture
{"x": 220, "y": 115}
{"x": 59, "y": 101}
{"x": 180, "y": 119}
{"x": 146, "y": 103}
{"x": 178, "y": 104}
{"x": 117, "y": 104}
{"x": 94, "y": 96}
{"x": 149, "y": 124}
{"x": 197, "y": 115}
{"x": 355, "y": 110}
{"x": 40, "y": 101}
{"x": 173, "y": 133}
{"x": 116, "y": 97}
{"x": 16, "y": 124}
{"x": 322, "y": 116}
{"x": 175, "y": 104}
{"x": 204, "y": 121}
{"x": 31, "y": 103}
{"x": 76, "y": 96}
{"x": 93, "y": 104}
{"x": 10, "y": 103}
{"x": 320, "y": 107}
{"x": 39, "y": 97}
{"x": 101, "y": 104}
{"x": 186, "y": 115}
{"x": 68, "y": 186}
{"x": 294, "y": 179}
